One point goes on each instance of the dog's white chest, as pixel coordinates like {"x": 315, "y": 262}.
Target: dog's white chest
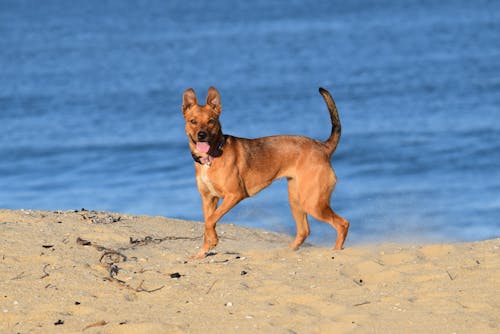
{"x": 204, "y": 180}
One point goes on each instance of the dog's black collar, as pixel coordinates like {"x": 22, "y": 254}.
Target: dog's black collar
{"x": 196, "y": 158}
{"x": 212, "y": 153}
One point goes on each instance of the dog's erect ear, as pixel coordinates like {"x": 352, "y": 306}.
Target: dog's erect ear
{"x": 213, "y": 100}
{"x": 188, "y": 99}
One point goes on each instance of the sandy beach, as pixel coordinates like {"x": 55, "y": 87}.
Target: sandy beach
{"x": 100, "y": 272}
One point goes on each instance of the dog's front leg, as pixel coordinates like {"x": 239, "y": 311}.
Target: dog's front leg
{"x": 209, "y": 204}
{"x": 210, "y": 239}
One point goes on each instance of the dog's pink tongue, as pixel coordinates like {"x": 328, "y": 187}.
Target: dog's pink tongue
{"x": 202, "y": 146}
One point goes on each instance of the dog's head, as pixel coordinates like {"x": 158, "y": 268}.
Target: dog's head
{"x": 202, "y": 121}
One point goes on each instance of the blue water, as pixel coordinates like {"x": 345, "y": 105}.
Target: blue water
{"x": 90, "y": 96}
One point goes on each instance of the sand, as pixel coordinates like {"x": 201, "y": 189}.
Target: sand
{"x": 99, "y": 272}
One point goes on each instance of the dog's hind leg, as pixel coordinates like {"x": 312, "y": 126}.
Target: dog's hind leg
{"x": 299, "y": 215}
{"x": 324, "y": 212}
{"x": 315, "y": 193}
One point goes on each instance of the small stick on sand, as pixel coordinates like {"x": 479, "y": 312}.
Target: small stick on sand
{"x": 210, "y": 288}
{"x": 140, "y": 288}
{"x": 45, "y": 274}
{"x": 95, "y": 324}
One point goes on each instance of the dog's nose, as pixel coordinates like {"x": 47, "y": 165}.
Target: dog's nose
{"x": 202, "y": 135}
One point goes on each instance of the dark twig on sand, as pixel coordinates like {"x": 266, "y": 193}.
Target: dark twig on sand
{"x": 112, "y": 257}
{"x": 21, "y": 275}
{"x": 109, "y": 259}
{"x": 141, "y": 288}
{"x": 45, "y": 273}
{"x": 148, "y": 239}
{"x": 210, "y": 288}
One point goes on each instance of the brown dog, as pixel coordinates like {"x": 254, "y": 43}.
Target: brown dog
{"x": 235, "y": 168}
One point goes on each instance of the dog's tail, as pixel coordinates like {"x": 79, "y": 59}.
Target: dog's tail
{"x": 333, "y": 140}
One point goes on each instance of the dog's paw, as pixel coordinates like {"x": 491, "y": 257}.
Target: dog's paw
{"x": 199, "y": 256}
{"x": 210, "y": 241}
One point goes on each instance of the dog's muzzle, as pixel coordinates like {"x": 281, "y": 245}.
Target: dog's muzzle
{"x": 202, "y": 136}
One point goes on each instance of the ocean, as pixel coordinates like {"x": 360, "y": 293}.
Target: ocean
{"x": 90, "y": 116}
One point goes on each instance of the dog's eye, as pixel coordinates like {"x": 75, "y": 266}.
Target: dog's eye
{"x": 211, "y": 122}
{"x": 193, "y": 121}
